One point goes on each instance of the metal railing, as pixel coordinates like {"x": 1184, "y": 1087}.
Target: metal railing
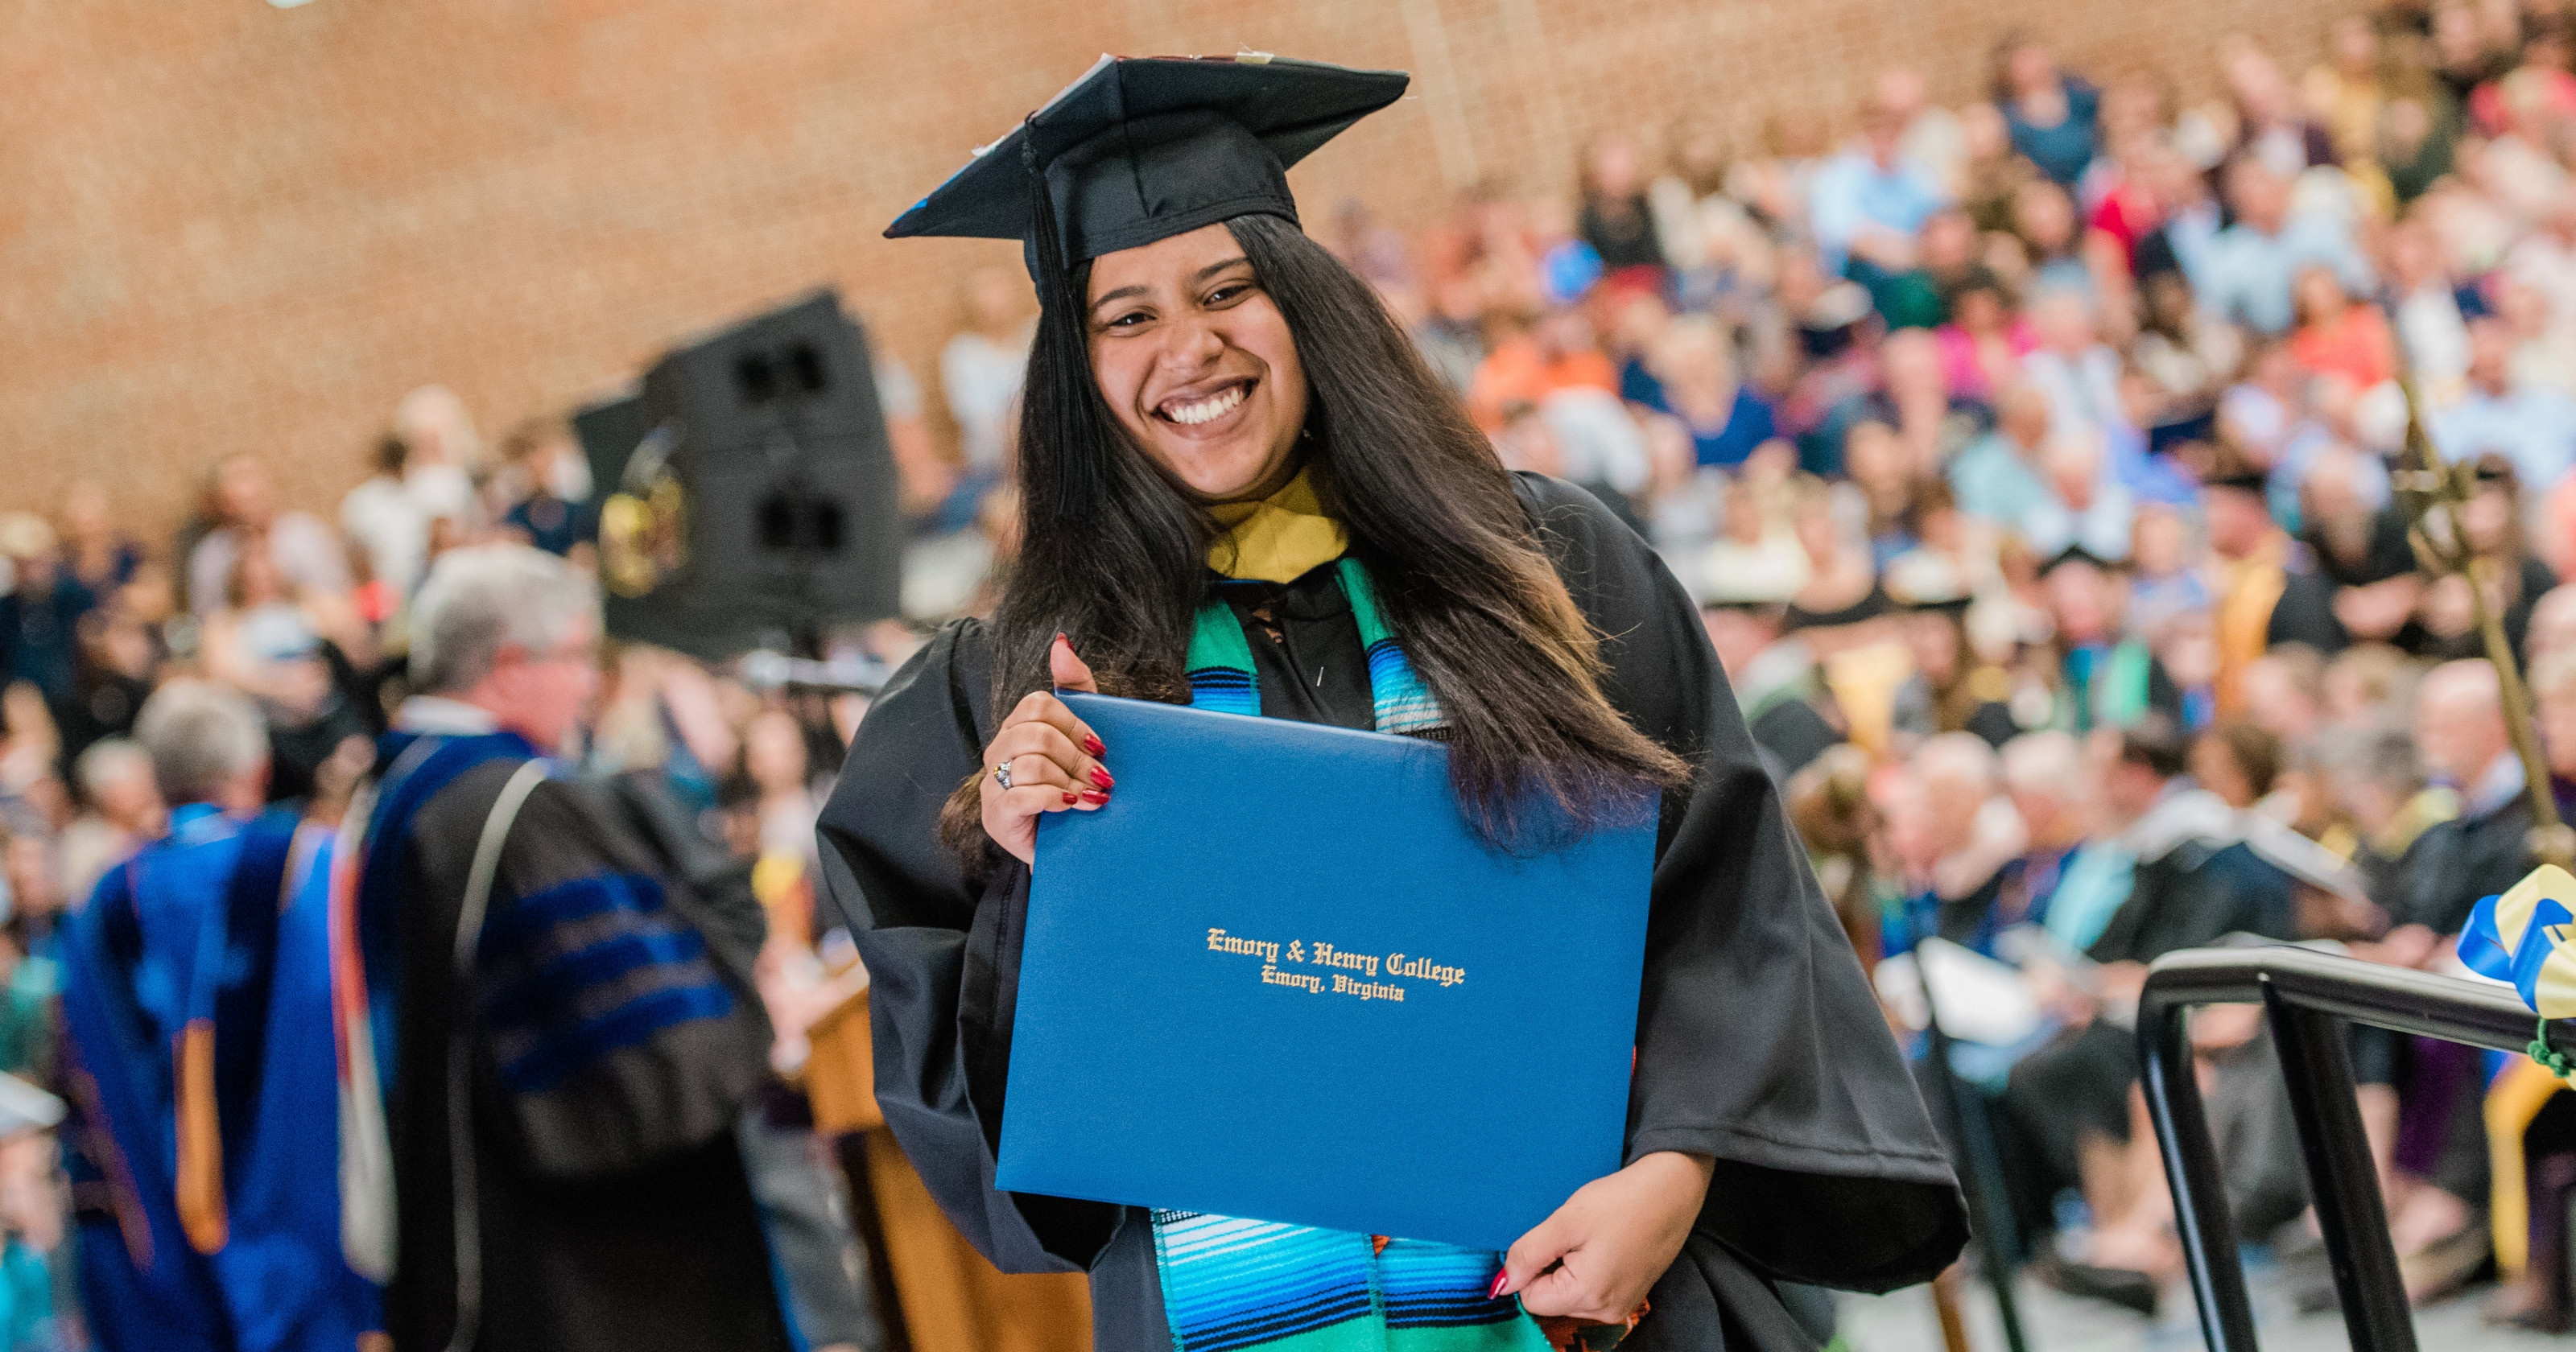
{"x": 2308, "y": 998}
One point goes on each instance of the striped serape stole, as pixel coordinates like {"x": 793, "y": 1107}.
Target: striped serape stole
{"x": 1219, "y": 666}
{"x": 1231, "y": 1283}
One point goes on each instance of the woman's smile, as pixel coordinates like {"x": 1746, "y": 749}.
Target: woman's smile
{"x": 1203, "y": 411}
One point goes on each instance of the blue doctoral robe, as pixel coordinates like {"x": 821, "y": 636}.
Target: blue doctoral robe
{"x": 202, "y": 1071}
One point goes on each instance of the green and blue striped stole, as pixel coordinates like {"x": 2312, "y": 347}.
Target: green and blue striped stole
{"x": 1219, "y": 666}
{"x": 1230, "y": 1283}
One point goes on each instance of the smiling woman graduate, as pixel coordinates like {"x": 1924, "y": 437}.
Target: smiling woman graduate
{"x": 1242, "y": 489}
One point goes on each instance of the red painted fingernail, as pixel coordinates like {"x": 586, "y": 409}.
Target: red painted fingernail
{"x": 1060, "y": 638}
{"x": 1101, "y": 778}
{"x": 1094, "y": 796}
{"x": 1501, "y": 1280}
{"x": 1093, "y": 745}
{"x": 1073, "y": 798}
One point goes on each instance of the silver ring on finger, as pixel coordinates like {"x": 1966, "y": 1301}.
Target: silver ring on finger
{"x": 1002, "y": 774}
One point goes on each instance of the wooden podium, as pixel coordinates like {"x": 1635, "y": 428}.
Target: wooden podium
{"x": 942, "y": 1296}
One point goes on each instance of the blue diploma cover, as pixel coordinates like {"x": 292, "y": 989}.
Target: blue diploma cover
{"x": 1279, "y": 977}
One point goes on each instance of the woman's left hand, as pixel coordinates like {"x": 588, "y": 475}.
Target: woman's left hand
{"x": 1596, "y": 1258}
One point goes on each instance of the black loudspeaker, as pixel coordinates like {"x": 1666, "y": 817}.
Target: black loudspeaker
{"x": 751, "y": 496}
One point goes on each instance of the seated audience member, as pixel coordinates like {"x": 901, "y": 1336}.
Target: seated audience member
{"x": 2054, "y": 118}
{"x": 387, "y": 522}
{"x": 121, "y": 809}
{"x": 2460, "y": 724}
{"x": 2044, "y": 775}
{"x": 2285, "y": 692}
{"x": 2084, "y": 509}
{"x": 2078, "y": 371}
{"x": 308, "y": 556}
{"x": 1756, "y": 556}
{"x": 2366, "y": 680}
{"x": 1837, "y": 333}
{"x": 1998, "y": 478}
{"x": 97, "y": 552}
{"x": 1536, "y": 438}
{"x": 2267, "y": 594}
{"x": 2162, "y": 581}
{"x": 980, "y": 372}
{"x": 2253, "y": 262}
{"x": 2492, "y": 521}
{"x": 2187, "y": 357}
{"x": 1933, "y": 423}
{"x": 1842, "y": 581}
{"x": 2532, "y": 426}
{"x": 555, "y": 512}
{"x": 1983, "y": 345}
{"x": 1829, "y": 803}
{"x": 1534, "y": 358}
{"x": 2553, "y": 625}
{"x": 2380, "y": 783}
{"x": 2361, "y": 553}
{"x": 2336, "y": 336}
{"x": 278, "y": 645}
{"x": 2553, "y": 700}
{"x": 1725, "y": 416}
{"x": 1950, "y": 690}
{"x": 2237, "y": 761}
{"x": 446, "y": 453}
{"x": 1881, "y": 471}
{"x": 1960, "y": 834}
{"x": 1792, "y": 716}
{"x": 41, "y": 611}
{"x": 1614, "y": 218}
{"x": 2103, "y": 676}
{"x": 1868, "y": 203}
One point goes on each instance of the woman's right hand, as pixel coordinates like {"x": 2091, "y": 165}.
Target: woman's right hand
{"x": 1054, "y": 760}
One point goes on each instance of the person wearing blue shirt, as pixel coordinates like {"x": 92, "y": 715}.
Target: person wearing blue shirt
{"x": 1996, "y": 478}
{"x": 2251, "y": 264}
{"x": 1871, "y": 201}
{"x": 2533, "y": 426}
{"x": 1697, "y": 383}
{"x": 2053, "y": 118}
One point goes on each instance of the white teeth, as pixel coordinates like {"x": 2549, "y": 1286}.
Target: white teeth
{"x": 1206, "y": 410}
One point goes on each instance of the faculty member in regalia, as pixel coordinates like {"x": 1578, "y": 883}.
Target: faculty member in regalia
{"x": 196, "y": 1009}
{"x": 1242, "y": 489}
{"x": 547, "y": 1027}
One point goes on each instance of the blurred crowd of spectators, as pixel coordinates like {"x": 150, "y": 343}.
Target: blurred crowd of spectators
{"x": 2036, "y": 461}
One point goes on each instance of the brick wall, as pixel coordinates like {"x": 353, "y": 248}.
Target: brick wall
{"x": 233, "y": 227}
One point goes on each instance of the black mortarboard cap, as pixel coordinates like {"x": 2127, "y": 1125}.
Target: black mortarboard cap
{"x": 2076, "y": 554}
{"x": 2242, "y": 477}
{"x": 1144, "y": 148}
{"x": 2164, "y": 436}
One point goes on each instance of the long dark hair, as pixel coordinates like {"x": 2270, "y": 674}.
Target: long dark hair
{"x": 1113, "y": 550}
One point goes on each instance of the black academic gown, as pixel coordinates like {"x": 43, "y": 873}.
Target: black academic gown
{"x": 1758, "y": 1042}
{"x": 592, "y": 1238}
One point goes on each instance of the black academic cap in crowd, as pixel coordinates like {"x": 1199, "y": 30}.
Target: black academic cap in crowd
{"x": 1934, "y": 605}
{"x": 1760, "y": 608}
{"x": 2242, "y": 477}
{"x": 2163, "y": 437}
{"x": 2076, "y": 554}
{"x": 1144, "y": 148}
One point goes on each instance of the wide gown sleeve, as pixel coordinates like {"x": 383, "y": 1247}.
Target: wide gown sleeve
{"x": 1758, "y": 1042}
{"x": 942, "y": 952}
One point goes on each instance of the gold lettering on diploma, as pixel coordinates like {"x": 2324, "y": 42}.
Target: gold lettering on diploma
{"x": 1353, "y": 973}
